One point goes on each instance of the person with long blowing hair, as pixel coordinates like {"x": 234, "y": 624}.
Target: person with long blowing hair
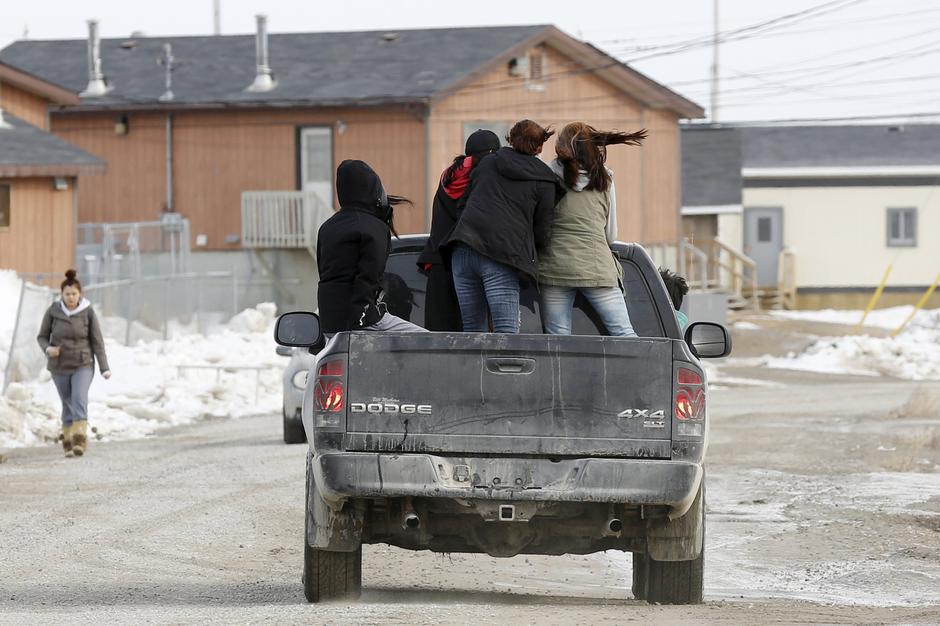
{"x": 578, "y": 256}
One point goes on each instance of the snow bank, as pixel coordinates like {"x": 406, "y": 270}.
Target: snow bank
{"x": 914, "y": 354}
{"x": 889, "y": 318}
{"x": 152, "y": 388}
{"x": 9, "y": 301}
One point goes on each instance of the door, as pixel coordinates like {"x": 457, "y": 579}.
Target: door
{"x": 763, "y": 241}
{"x": 316, "y": 162}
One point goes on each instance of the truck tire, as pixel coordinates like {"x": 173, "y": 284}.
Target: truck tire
{"x": 328, "y": 575}
{"x": 331, "y": 575}
{"x": 671, "y": 582}
{"x": 293, "y": 430}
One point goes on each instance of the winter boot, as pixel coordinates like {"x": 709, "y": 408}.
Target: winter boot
{"x": 66, "y": 438}
{"x": 79, "y": 437}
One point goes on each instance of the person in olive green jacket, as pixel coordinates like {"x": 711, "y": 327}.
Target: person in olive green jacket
{"x": 71, "y": 338}
{"x": 578, "y": 255}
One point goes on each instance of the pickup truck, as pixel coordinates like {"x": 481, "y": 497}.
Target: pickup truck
{"x": 509, "y": 444}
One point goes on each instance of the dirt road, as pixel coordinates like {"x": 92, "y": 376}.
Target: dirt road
{"x": 824, "y": 505}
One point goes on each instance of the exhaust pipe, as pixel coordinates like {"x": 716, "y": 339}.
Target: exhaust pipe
{"x": 96, "y": 81}
{"x": 264, "y": 77}
{"x": 411, "y": 521}
{"x": 614, "y": 525}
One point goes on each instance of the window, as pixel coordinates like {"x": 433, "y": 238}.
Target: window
{"x": 902, "y": 227}
{"x": 4, "y": 206}
{"x": 316, "y": 162}
{"x": 404, "y": 287}
{"x": 500, "y": 128}
{"x": 763, "y": 229}
{"x": 535, "y": 79}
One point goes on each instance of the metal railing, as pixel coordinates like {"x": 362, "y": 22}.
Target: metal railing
{"x": 282, "y": 219}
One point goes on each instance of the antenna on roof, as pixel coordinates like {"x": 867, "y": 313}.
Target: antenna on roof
{"x": 96, "y": 82}
{"x": 216, "y": 17}
{"x": 167, "y": 62}
{"x": 264, "y": 79}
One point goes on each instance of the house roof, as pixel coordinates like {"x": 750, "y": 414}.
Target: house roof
{"x": 840, "y": 146}
{"x": 711, "y": 166}
{"x": 27, "y": 82}
{"x": 26, "y": 150}
{"x": 313, "y": 69}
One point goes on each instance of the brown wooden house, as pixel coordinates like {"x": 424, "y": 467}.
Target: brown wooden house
{"x": 39, "y": 175}
{"x": 256, "y": 113}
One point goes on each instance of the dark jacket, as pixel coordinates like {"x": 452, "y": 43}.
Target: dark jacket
{"x": 508, "y": 209}
{"x": 352, "y": 248}
{"x": 444, "y": 212}
{"x": 78, "y": 337}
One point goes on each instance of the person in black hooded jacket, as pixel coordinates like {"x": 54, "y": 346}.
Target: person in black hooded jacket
{"x": 352, "y": 248}
{"x": 506, "y": 216}
{"x": 441, "y": 310}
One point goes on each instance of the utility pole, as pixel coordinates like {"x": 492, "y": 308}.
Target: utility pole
{"x": 216, "y": 17}
{"x": 713, "y": 112}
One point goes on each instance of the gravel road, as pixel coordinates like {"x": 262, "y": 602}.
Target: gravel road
{"x": 824, "y": 506}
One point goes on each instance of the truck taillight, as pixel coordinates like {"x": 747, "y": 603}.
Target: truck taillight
{"x": 329, "y": 392}
{"x": 690, "y": 396}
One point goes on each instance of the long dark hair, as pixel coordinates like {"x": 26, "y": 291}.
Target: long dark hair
{"x": 583, "y": 147}
{"x": 448, "y": 176}
{"x": 394, "y": 201}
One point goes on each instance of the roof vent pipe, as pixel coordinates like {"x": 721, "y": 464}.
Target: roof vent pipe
{"x": 96, "y": 83}
{"x": 264, "y": 80}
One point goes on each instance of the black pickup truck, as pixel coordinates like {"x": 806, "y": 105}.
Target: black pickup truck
{"x": 509, "y": 444}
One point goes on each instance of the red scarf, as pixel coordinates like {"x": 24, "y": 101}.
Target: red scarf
{"x": 458, "y": 183}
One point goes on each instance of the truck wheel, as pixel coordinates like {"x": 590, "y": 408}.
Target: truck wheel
{"x": 639, "y": 575}
{"x": 328, "y": 575}
{"x": 331, "y": 575}
{"x": 293, "y": 430}
{"x": 672, "y": 582}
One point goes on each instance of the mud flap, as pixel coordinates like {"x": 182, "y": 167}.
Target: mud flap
{"x": 328, "y": 528}
{"x": 680, "y": 539}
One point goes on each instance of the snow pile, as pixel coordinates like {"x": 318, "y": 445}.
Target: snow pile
{"x": 155, "y": 385}
{"x": 9, "y": 301}
{"x": 914, "y": 354}
{"x": 889, "y": 318}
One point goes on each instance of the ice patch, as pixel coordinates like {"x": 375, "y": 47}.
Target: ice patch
{"x": 889, "y": 318}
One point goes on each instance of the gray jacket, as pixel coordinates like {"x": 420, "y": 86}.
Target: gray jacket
{"x": 78, "y": 337}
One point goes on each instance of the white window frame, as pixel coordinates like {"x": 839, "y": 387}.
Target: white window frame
{"x": 907, "y": 223}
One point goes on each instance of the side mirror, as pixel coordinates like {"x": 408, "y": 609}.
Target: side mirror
{"x": 708, "y": 340}
{"x": 300, "y": 329}
{"x": 283, "y": 351}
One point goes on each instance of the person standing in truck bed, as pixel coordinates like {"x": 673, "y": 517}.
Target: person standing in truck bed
{"x": 352, "y": 249}
{"x": 507, "y": 216}
{"x": 578, "y": 257}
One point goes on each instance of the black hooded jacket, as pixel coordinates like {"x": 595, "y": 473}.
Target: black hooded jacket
{"x": 508, "y": 209}
{"x": 352, "y": 248}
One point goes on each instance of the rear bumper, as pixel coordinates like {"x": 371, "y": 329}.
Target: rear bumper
{"x": 343, "y": 475}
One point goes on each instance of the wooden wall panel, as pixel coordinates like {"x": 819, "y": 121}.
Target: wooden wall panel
{"x": 41, "y": 236}
{"x": 24, "y": 105}
{"x": 133, "y": 188}
{"x": 219, "y": 154}
{"x": 646, "y": 178}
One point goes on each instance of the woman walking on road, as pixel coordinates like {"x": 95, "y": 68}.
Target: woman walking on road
{"x": 71, "y": 338}
{"x": 506, "y": 218}
{"x": 441, "y": 310}
{"x": 578, "y": 256}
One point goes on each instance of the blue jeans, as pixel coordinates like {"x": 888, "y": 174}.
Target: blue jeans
{"x": 73, "y": 392}
{"x": 484, "y": 284}
{"x": 608, "y": 302}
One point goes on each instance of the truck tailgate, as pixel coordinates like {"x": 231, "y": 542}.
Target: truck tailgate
{"x": 509, "y": 394}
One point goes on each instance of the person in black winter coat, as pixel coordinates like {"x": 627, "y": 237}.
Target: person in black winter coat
{"x": 507, "y": 215}
{"x": 441, "y": 310}
{"x": 352, "y": 248}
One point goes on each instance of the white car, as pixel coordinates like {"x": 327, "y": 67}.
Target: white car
{"x": 295, "y": 381}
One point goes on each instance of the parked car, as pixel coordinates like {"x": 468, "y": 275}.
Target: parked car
{"x": 294, "y": 382}
{"x": 510, "y": 444}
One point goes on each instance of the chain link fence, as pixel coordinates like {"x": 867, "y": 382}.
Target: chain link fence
{"x": 130, "y": 310}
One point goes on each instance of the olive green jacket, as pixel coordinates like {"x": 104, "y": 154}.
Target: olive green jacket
{"x": 78, "y": 337}
{"x": 578, "y": 253}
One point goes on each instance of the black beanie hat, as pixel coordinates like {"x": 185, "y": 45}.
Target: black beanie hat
{"x": 481, "y": 141}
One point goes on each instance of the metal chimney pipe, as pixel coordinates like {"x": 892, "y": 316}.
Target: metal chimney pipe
{"x": 96, "y": 84}
{"x": 264, "y": 80}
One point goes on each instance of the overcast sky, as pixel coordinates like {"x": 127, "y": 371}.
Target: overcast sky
{"x": 791, "y": 59}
